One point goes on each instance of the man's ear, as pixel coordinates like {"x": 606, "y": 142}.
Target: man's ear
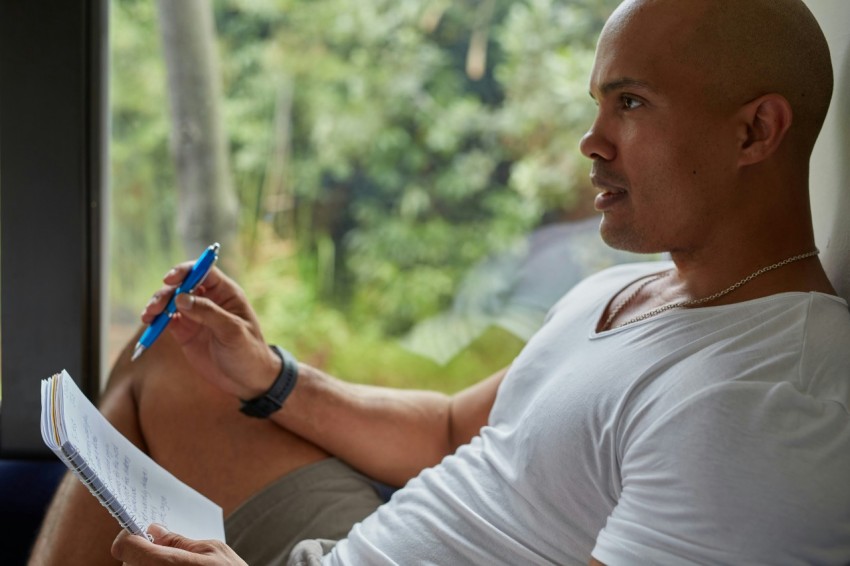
{"x": 764, "y": 123}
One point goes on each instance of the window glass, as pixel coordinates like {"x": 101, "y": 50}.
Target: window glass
{"x": 396, "y": 185}
{"x": 141, "y": 224}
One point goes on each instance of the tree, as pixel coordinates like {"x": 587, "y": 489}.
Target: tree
{"x": 207, "y": 210}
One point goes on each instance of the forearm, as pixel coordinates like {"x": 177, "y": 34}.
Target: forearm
{"x": 388, "y": 434}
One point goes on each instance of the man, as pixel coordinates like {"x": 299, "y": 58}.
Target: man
{"x": 694, "y": 411}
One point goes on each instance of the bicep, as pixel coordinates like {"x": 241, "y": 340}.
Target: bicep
{"x": 470, "y": 409}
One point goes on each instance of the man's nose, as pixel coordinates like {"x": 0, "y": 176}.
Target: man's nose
{"x": 595, "y": 145}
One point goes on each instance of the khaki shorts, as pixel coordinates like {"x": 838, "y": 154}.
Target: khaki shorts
{"x": 319, "y": 501}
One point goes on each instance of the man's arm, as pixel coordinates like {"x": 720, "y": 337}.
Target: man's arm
{"x": 388, "y": 434}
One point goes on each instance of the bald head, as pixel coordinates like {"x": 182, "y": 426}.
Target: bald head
{"x": 743, "y": 49}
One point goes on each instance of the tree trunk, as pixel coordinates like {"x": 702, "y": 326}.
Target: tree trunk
{"x": 207, "y": 209}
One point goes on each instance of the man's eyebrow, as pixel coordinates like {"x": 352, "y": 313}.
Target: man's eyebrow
{"x": 621, "y": 83}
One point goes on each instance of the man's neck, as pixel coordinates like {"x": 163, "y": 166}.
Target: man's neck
{"x": 749, "y": 276}
{"x": 711, "y": 283}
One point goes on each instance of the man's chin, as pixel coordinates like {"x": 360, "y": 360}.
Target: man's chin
{"x": 625, "y": 240}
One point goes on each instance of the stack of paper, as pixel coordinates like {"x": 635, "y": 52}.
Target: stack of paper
{"x": 136, "y": 490}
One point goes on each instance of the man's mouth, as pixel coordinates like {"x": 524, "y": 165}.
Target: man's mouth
{"x": 610, "y": 193}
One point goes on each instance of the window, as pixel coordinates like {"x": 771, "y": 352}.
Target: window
{"x": 403, "y": 177}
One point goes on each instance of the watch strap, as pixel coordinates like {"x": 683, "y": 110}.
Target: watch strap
{"x": 272, "y": 400}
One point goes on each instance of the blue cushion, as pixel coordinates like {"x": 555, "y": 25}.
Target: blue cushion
{"x": 26, "y": 487}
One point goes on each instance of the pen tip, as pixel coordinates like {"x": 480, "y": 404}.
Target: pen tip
{"x": 137, "y": 352}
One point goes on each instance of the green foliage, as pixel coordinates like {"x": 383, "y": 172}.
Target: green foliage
{"x": 391, "y": 146}
{"x": 408, "y": 167}
{"x": 323, "y": 337}
{"x": 548, "y": 56}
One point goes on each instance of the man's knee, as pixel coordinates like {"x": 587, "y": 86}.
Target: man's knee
{"x": 150, "y": 387}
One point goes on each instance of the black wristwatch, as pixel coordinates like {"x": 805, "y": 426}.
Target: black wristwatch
{"x": 272, "y": 400}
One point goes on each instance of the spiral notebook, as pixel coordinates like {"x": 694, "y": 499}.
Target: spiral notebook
{"x": 136, "y": 490}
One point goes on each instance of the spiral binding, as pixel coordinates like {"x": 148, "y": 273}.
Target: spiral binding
{"x": 81, "y": 469}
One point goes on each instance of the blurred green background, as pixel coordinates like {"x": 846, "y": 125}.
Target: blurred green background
{"x": 375, "y": 154}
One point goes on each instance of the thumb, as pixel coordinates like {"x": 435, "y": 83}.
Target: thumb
{"x": 185, "y": 303}
{"x": 139, "y": 550}
{"x": 157, "y": 532}
{"x": 163, "y": 537}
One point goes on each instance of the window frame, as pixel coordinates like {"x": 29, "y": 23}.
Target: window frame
{"x": 53, "y": 143}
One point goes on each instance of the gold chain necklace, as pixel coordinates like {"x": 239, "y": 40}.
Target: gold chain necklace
{"x": 692, "y": 302}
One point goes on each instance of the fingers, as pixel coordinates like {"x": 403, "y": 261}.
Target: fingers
{"x": 177, "y": 273}
{"x": 170, "y": 548}
{"x": 215, "y": 281}
{"x": 225, "y": 326}
{"x": 157, "y": 303}
{"x": 131, "y": 549}
{"x": 225, "y": 311}
{"x": 138, "y": 550}
{"x": 158, "y": 532}
{"x": 164, "y": 537}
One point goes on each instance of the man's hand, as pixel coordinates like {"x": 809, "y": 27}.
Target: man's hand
{"x": 170, "y": 548}
{"x": 219, "y": 332}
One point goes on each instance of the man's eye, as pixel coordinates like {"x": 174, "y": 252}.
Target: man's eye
{"x": 630, "y": 102}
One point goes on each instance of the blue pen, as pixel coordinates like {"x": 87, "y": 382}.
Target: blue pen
{"x": 195, "y": 277}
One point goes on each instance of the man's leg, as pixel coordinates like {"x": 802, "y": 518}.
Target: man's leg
{"x": 189, "y": 427}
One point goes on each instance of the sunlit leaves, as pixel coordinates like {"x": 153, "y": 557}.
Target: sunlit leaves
{"x": 359, "y": 121}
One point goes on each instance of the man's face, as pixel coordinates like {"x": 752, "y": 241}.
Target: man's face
{"x": 663, "y": 153}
